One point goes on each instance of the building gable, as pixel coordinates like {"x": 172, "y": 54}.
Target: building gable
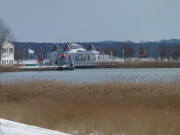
{"x": 91, "y": 48}
{"x": 7, "y": 43}
{"x": 55, "y": 48}
{"x": 67, "y": 48}
{"x": 7, "y": 53}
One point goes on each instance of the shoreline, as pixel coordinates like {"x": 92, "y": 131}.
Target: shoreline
{"x": 126, "y": 64}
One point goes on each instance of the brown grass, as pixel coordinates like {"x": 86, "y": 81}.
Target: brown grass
{"x": 140, "y": 64}
{"x": 9, "y": 69}
{"x": 109, "y": 108}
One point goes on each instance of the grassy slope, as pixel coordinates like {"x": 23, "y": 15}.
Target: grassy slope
{"x": 133, "y": 109}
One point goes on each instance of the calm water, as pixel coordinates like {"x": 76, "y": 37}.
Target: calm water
{"x": 99, "y": 75}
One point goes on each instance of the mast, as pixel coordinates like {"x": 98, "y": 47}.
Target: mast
{"x": 41, "y": 58}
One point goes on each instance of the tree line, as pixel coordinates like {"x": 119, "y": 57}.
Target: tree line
{"x": 122, "y": 50}
{"x": 163, "y": 52}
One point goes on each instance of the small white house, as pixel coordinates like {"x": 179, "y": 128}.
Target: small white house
{"x": 7, "y": 53}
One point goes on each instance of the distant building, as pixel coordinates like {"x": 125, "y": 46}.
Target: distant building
{"x": 143, "y": 56}
{"x": 77, "y": 54}
{"x": 7, "y": 53}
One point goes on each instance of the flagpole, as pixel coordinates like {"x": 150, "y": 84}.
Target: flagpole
{"x": 28, "y": 54}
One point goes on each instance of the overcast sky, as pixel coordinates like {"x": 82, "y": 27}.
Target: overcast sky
{"x": 92, "y": 20}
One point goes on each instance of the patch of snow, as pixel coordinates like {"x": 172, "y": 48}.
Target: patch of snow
{"x": 13, "y": 128}
{"x": 75, "y": 46}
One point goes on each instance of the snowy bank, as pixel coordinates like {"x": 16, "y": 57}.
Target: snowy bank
{"x": 13, "y": 128}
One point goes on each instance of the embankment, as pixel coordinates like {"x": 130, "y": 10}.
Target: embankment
{"x": 139, "y": 64}
{"x": 10, "y": 69}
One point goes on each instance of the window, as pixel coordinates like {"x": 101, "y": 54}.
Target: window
{"x": 3, "y": 61}
{"x": 4, "y": 50}
{"x": 11, "y": 50}
{"x": 10, "y": 61}
{"x": 88, "y": 57}
{"x": 76, "y": 58}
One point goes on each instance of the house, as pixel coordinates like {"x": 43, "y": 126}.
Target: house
{"x": 73, "y": 52}
{"x": 7, "y": 53}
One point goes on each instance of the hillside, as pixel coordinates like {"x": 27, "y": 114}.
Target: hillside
{"x": 105, "y": 46}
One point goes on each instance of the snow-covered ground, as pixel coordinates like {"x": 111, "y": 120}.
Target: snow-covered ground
{"x": 13, "y": 128}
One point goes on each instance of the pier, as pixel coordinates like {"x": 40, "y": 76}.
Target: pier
{"x": 51, "y": 68}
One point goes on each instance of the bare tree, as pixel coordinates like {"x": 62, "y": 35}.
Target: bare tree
{"x": 127, "y": 51}
{"x": 176, "y": 52}
{"x": 114, "y": 51}
{"x": 143, "y": 50}
{"x": 106, "y": 50}
{"x": 18, "y": 55}
{"x": 161, "y": 51}
{"x": 5, "y": 32}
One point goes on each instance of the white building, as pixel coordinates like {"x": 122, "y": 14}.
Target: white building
{"x": 77, "y": 54}
{"x": 73, "y": 52}
{"x": 7, "y": 53}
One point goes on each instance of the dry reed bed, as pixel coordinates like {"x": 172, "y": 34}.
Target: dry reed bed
{"x": 9, "y": 69}
{"x": 109, "y": 108}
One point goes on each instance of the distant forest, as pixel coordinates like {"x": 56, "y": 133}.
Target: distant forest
{"x": 163, "y": 49}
